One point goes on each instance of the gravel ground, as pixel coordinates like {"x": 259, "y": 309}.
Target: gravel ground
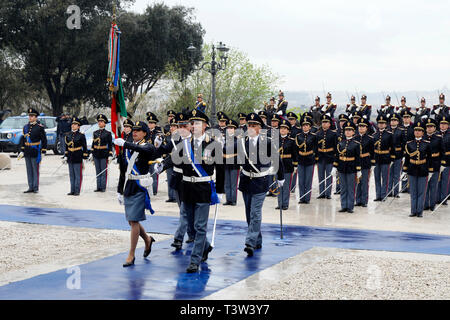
{"x": 336, "y": 274}
{"x": 28, "y": 250}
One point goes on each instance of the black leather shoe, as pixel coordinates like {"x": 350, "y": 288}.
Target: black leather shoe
{"x": 343, "y": 210}
{"x": 350, "y": 211}
{"x": 432, "y": 208}
{"x": 192, "y": 268}
{"x": 420, "y": 215}
{"x": 177, "y": 244}
{"x": 233, "y": 204}
{"x": 206, "y": 253}
{"x": 76, "y": 194}
{"x": 28, "y": 191}
{"x": 377, "y": 200}
{"x": 129, "y": 264}
{"x": 97, "y": 190}
{"x": 277, "y": 208}
{"x": 412, "y": 215}
{"x": 358, "y": 205}
{"x": 147, "y": 252}
{"x": 328, "y": 197}
{"x": 249, "y": 251}
{"x": 337, "y": 192}
{"x": 445, "y": 203}
{"x": 35, "y": 191}
{"x": 258, "y": 247}
{"x": 171, "y": 200}
{"x": 70, "y": 194}
{"x": 190, "y": 240}
{"x": 321, "y": 197}
{"x": 285, "y": 208}
{"x": 364, "y": 205}
{"x": 426, "y": 208}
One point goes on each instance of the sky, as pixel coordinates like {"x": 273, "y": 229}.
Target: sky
{"x": 335, "y": 45}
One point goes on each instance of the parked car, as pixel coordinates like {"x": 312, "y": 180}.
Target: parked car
{"x": 11, "y": 131}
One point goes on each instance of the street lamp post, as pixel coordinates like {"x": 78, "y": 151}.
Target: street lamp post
{"x": 214, "y": 67}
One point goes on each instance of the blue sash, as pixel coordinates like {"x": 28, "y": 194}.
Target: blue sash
{"x": 214, "y": 197}
{"x": 38, "y": 147}
{"x": 148, "y": 204}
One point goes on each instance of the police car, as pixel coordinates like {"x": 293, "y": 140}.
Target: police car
{"x": 11, "y": 130}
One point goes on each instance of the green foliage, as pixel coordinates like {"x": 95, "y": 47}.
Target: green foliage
{"x": 241, "y": 87}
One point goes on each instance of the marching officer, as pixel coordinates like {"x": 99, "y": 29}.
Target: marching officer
{"x": 200, "y": 105}
{"x": 263, "y": 115}
{"x": 33, "y": 144}
{"x": 275, "y": 121}
{"x": 270, "y": 108}
{"x": 387, "y": 109}
{"x": 351, "y": 107}
{"x": 356, "y": 116}
{"x": 383, "y": 148}
{"x": 254, "y": 182}
{"x": 242, "y": 122}
{"x": 127, "y": 135}
{"x": 231, "y": 165}
{"x": 348, "y": 166}
{"x": 222, "y": 126}
{"x": 175, "y": 148}
{"x": 366, "y": 157}
{"x": 135, "y": 195}
{"x": 441, "y": 109}
{"x": 418, "y": 165}
{"x": 437, "y": 148}
{"x": 398, "y": 141}
{"x": 306, "y": 158}
{"x": 444, "y": 184}
{"x": 364, "y": 108}
{"x": 76, "y": 151}
{"x": 154, "y": 134}
{"x": 327, "y": 141}
{"x": 403, "y": 106}
{"x": 198, "y": 190}
{"x": 422, "y": 112}
{"x": 173, "y": 126}
{"x": 288, "y": 155}
{"x": 295, "y": 129}
{"x": 282, "y": 104}
{"x": 101, "y": 151}
{"x": 316, "y": 114}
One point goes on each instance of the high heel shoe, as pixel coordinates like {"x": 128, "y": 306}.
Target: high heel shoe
{"x": 147, "y": 252}
{"x": 128, "y": 264}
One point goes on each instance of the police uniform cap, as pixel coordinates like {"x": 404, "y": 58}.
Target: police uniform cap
{"x": 128, "y": 123}
{"x": 254, "y": 118}
{"x": 151, "y": 117}
{"x": 292, "y": 116}
{"x": 102, "y": 117}
{"x": 76, "y": 120}
{"x": 198, "y": 115}
{"x": 262, "y": 114}
{"x": 140, "y": 125}
{"x": 232, "y": 124}
{"x": 285, "y": 123}
{"x": 32, "y": 112}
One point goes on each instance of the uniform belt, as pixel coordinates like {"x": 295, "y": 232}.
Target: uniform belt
{"x": 398, "y": 149}
{"x": 304, "y": 154}
{"x": 435, "y": 155}
{"x": 153, "y": 162}
{"x": 381, "y": 151}
{"x": 447, "y": 153}
{"x": 418, "y": 162}
{"x": 74, "y": 149}
{"x": 138, "y": 177}
{"x": 179, "y": 170}
{"x": 286, "y": 156}
{"x": 326, "y": 150}
{"x": 257, "y": 175}
{"x": 197, "y": 179}
{"x": 365, "y": 155}
{"x": 100, "y": 147}
{"x": 29, "y": 144}
{"x": 347, "y": 158}
{"x": 228, "y": 156}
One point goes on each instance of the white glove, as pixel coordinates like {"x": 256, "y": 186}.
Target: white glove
{"x": 158, "y": 141}
{"x": 91, "y": 157}
{"x": 359, "y": 175}
{"x": 324, "y": 108}
{"x": 120, "y": 198}
{"x": 442, "y": 169}
{"x": 358, "y": 108}
{"x": 430, "y": 174}
{"x": 64, "y": 161}
{"x": 424, "y": 117}
{"x": 280, "y": 113}
{"x": 20, "y": 156}
{"x": 314, "y": 108}
{"x": 280, "y": 183}
{"x": 119, "y": 142}
{"x": 437, "y": 110}
{"x": 333, "y": 171}
{"x": 405, "y": 177}
{"x": 158, "y": 168}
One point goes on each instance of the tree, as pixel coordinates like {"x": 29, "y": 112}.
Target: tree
{"x": 154, "y": 43}
{"x": 241, "y": 87}
{"x": 71, "y": 65}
